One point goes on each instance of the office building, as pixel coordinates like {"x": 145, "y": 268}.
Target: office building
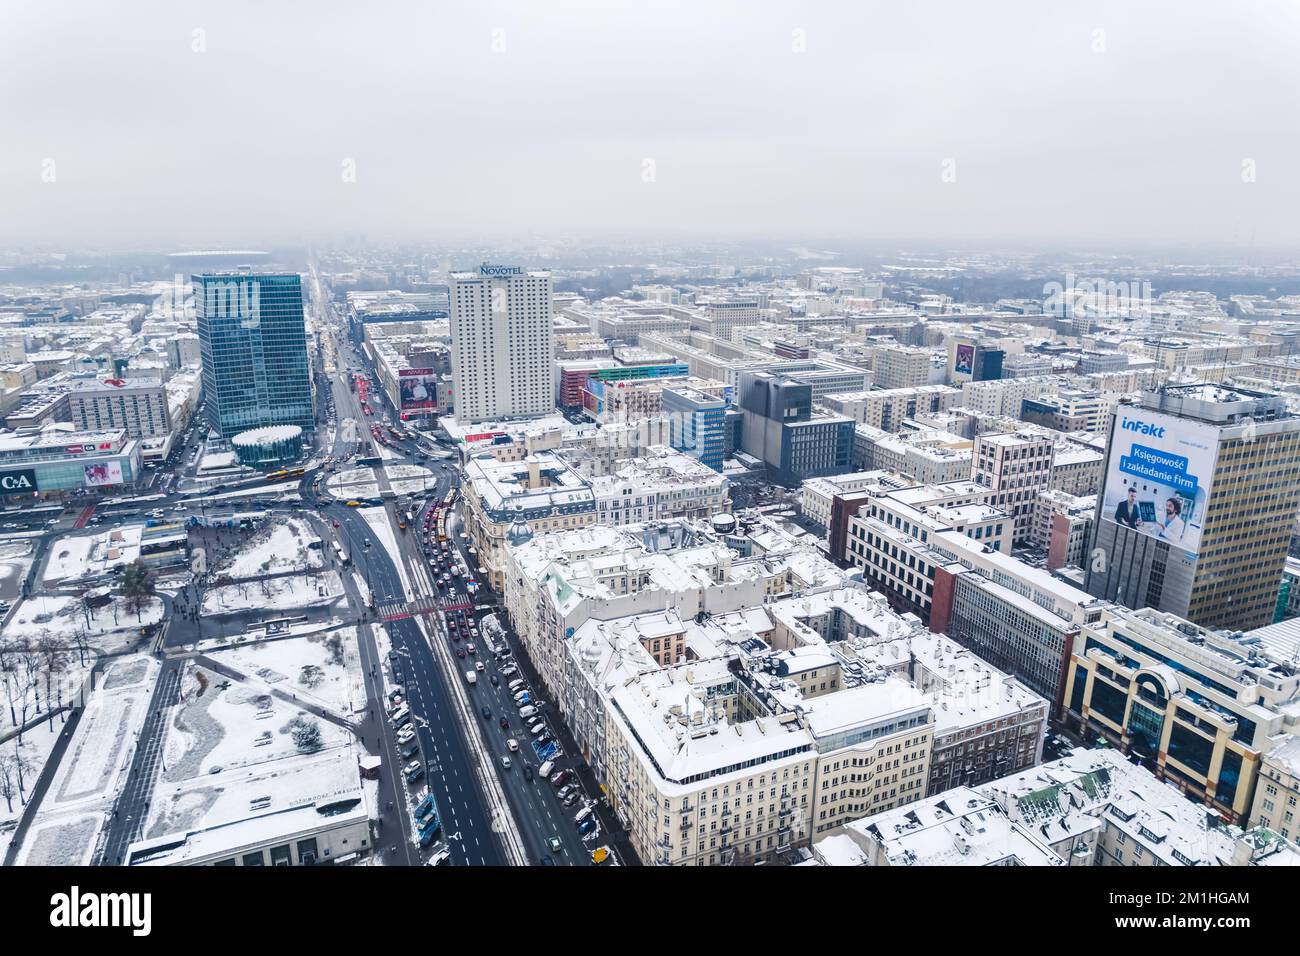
{"x": 888, "y": 408}
{"x": 780, "y": 429}
{"x": 137, "y": 406}
{"x": 1199, "y": 707}
{"x": 1202, "y": 485}
{"x": 502, "y": 346}
{"x": 1016, "y": 467}
{"x": 970, "y": 361}
{"x": 1277, "y": 794}
{"x": 901, "y": 366}
{"x": 254, "y": 347}
{"x": 696, "y": 423}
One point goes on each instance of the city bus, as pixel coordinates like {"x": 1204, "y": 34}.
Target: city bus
{"x": 340, "y": 554}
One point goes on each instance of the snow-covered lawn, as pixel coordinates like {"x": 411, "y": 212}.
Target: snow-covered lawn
{"x": 280, "y": 546}
{"x": 61, "y": 616}
{"x": 75, "y": 557}
{"x": 93, "y": 767}
{"x": 353, "y": 483}
{"x": 275, "y": 594}
{"x": 70, "y": 558}
{"x": 411, "y": 486}
{"x": 305, "y": 666}
{"x": 37, "y": 743}
{"x": 222, "y": 724}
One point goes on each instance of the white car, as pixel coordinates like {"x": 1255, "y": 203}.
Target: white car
{"x": 512, "y": 745}
{"x": 441, "y": 855}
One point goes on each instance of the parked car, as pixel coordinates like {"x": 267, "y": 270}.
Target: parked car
{"x": 413, "y": 771}
{"x": 560, "y": 778}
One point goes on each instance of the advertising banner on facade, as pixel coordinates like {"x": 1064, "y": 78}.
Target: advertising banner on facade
{"x": 17, "y": 482}
{"x": 103, "y": 473}
{"x": 1158, "y": 479}
{"x": 418, "y": 387}
{"x": 964, "y": 361}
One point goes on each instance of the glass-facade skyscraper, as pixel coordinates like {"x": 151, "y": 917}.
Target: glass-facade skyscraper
{"x": 253, "y": 341}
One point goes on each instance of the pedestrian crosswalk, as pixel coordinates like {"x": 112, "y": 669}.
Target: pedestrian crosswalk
{"x": 401, "y": 610}
{"x": 398, "y": 610}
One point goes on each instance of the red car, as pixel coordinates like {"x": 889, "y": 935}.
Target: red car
{"x": 504, "y": 722}
{"x": 336, "y": 522}
{"x": 460, "y": 652}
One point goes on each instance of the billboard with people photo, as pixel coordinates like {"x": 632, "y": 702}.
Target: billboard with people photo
{"x": 102, "y": 474}
{"x": 964, "y": 360}
{"x": 418, "y": 387}
{"x": 1159, "y": 474}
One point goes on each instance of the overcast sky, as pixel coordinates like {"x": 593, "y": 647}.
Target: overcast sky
{"x": 1103, "y": 122}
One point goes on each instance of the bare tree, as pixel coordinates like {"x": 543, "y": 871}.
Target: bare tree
{"x": 20, "y": 764}
{"x": 53, "y": 656}
{"x": 87, "y": 605}
{"x": 9, "y": 674}
{"x": 81, "y": 641}
{"x": 27, "y": 688}
{"x": 8, "y": 780}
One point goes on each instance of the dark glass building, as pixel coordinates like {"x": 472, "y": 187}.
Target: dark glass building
{"x": 253, "y": 342}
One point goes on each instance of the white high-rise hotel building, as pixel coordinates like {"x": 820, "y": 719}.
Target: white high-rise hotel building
{"x": 502, "y": 351}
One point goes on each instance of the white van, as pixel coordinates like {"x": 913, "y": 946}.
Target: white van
{"x": 526, "y": 712}
{"x": 515, "y": 685}
{"x": 545, "y": 769}
{"x": 583, "y": 813}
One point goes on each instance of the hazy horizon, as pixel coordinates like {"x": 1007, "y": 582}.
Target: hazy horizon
{"x": 944, "y": 123}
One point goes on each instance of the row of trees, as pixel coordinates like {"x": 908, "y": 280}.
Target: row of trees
{"x": 31, "y": 672}
{"x": 14, "y": 768}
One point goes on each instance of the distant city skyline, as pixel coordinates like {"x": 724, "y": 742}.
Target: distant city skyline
{"x": 1062, "y": 125}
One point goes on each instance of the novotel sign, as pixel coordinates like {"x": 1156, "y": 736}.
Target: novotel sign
{"x": 487, "y": 269}
{"x": 18, "y": 482}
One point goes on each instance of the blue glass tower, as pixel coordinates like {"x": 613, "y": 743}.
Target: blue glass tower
{"x": 253, "y": 342}
{"x": 696, "y": 423}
